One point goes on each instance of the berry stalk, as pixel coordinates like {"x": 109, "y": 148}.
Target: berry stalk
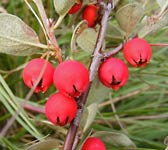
{"x": 97, "y": 56}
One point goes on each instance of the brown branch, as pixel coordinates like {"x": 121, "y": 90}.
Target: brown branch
{"x": 93, "y": 69}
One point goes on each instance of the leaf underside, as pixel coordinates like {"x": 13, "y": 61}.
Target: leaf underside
{"x": 16, "y": 37}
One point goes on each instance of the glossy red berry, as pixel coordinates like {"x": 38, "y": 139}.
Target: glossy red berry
{"x": 75, "y": 8}
{"x": 93, "y": 143}
{"x": 32, "y": 71}
{"x": 113, "y": 73}
{"x": 60, "y": 109}
{"x": 90, "y": 14}
{"x": 71, "y": 77}
{"x": 137, "y": 52}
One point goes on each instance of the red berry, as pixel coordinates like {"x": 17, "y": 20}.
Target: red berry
{"x": 75, "y": 8}
{"x": 137, "y": 52}
{"x": 93, "y": 143}
{"x": 90, "y": 14}
{"x": 32, "y": 71}
{"x": 60, "y": 109}
{"x": 113, "y": 73}
{"x": 71, "y": 77}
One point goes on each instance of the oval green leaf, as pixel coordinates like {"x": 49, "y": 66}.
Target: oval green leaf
{"x": 98, "y": 92}
{"x": 129, "y": 15}
{"x": 116, "y": 139}
{"x": 17, "y": 38}
{"x": 88, "y": 116}
{"x": 63, "y": 6}
{"x": 77, "y": 31}
{"x": 87, "y": 39}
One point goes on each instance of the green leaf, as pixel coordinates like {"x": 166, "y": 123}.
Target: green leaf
{"x": 17, "y": 38}
{"x": 98, "y": 92}
{"x": 113, "y": 32}
{"x": 63, "y": 6}
{"x": 88, "y": 116}
{"x": 77, "y": 31}
{"x": 116, "y": 139}
{"x": 87, "y": 39}
{"x": 50, "y": 144}
{"x": 129, "y": 15}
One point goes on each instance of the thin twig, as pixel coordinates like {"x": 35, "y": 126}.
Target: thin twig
{"x": 12, "y": 70}
{"x": 113, "y": 51}
{"x": 93, "y": 69}
{"x": 161, "y": 116}
{"x": 116, "y": 116}
{"x": 120, "y": 98}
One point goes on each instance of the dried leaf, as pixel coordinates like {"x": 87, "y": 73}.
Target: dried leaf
{"x": 17, "y": 38}
{"x": 129, "y": 15}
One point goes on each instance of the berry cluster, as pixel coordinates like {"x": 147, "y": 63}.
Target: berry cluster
{"x": 113, "y": 72}
{"x": 71, "y": 78}
{"x": 89, "y": 13}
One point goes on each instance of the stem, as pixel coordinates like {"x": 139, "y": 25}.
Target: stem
{"x": 93, "y": 69}
{"x": 33, "y": 108}
{"x": 75, "y": 124}
{"x": 113, "y": 51}
{"x": 59, "y": 21}
{"x": 49, "y": 29}
{"x": 123, "y": 97}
